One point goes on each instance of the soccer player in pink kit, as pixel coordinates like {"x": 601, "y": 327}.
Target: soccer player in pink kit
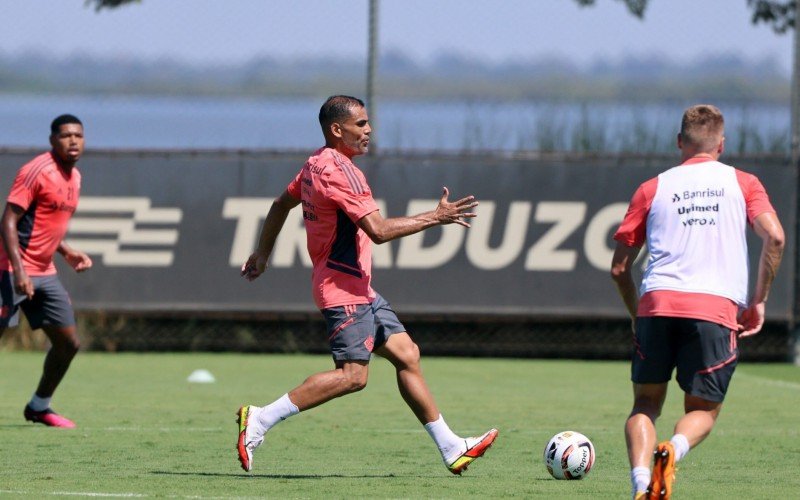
{"x": 694, "y": 292}
{"x": 41, "y": 202}
{"x": 342, "y": 221}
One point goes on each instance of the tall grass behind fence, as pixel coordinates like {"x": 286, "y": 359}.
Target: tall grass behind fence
{"x": 440, "y": 336}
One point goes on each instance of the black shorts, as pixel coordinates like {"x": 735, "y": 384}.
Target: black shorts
{"x": 704, "y": 353}
{"x": 355, "y": 331}
{"x": 50, "y": 304}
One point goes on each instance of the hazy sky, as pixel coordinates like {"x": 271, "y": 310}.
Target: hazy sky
{"x": 215, "y": 31}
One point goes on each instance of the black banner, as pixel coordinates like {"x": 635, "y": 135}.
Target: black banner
{"x": 168, "y": 231}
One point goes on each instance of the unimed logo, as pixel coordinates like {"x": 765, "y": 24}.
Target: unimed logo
{"x": 125, "y": 231}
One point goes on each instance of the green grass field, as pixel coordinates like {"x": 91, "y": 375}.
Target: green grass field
{"x": 144, "y": 431}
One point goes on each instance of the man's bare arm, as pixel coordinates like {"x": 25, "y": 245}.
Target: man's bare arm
{"x": 621, "y": 265}
{"x": 381, "y": 230}
{"x": 276, "y": 217}
{"x": 769, "y": 229}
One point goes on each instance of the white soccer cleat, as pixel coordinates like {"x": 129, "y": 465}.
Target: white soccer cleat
{"x": 247, "y": 442}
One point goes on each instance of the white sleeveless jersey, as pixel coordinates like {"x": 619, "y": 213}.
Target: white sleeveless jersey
{"x": 696, "y": 233}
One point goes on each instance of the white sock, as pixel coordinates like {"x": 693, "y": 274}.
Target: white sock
{"x": 280, "y": 409}
{"x": 681, "y": 445}
{"x": 39, "y": 404}
{"x": 640, "y": 479}
{"x": 450, "y": 445}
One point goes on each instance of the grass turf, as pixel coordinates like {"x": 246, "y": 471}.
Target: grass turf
{"x": 144, "y": 431}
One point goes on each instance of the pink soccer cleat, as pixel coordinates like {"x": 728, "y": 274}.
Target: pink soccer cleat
{"x": 48, "y": 417}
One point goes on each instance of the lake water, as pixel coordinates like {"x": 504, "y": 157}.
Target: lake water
{"x": 231, "y": 123}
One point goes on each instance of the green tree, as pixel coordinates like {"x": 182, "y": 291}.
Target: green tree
{"x": 780, "y": 15}
{"x": 107, "y": 4}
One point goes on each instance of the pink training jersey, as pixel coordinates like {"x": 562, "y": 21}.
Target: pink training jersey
{"x": 693, "y": 218}
{"x": 334, "y": 196}
{"x": 49, "y": 198}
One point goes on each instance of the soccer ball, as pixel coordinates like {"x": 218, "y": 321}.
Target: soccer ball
{"x": 569, "y": 455}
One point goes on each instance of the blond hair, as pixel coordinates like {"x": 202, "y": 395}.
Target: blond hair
{"x": 702, "y": 127}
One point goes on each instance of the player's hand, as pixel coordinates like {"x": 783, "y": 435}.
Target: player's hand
{"x": 453, "y": 212}
{"x": 79, "y": 261}
{"x": 255, "y": 265}
{"x": 23, "y": 284}
{"x": 751, "y": 320}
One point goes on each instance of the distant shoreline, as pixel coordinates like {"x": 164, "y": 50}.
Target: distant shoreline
{"x": 719, "y": 78}
{"x": 463, "y": 126}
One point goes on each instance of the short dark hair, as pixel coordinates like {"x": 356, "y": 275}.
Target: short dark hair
{"x": 337, "y": 107}
{"x": 55, "y": 126}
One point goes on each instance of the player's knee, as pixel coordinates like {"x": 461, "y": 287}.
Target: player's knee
{"x": 355, "y": 382}
{"x": 71, "y": 348}
{"x": 64, "y": 339}
{"x": 74, "y": 345}
{"x": 358, "y": 385}
{"x": 414, "y": 353}
{"x": 695, "y": 403}
{"x": 409, "y": 357}
{"x": 67, "y": 345}
{"x": 647, "y": 406}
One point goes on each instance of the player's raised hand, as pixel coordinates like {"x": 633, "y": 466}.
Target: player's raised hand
{"x": 454, "y": 212}
{"x": 256, "y": 264}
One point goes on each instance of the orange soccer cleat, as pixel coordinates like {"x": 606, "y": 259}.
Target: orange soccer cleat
{"x": 476, "y": 447}
{"x": 663, "y": 472}
{"x": 246, "y": 443}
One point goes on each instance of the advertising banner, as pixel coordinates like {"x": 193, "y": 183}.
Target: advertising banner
{"x": 169, "y": 231}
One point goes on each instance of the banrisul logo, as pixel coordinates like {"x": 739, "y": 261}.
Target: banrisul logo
{"x": 125, "y": 231}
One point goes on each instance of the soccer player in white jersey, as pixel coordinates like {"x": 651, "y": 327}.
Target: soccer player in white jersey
{"x": 692, "y": 304}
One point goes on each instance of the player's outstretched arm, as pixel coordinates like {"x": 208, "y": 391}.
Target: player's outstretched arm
{"x": 276, "y": 217}
{"x": 381, "y": 230}
{"x": 79, "y": 261}
{"x": 769, "y": 229}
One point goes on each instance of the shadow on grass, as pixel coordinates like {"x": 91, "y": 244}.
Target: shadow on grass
{"x": 277, "y": 476}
